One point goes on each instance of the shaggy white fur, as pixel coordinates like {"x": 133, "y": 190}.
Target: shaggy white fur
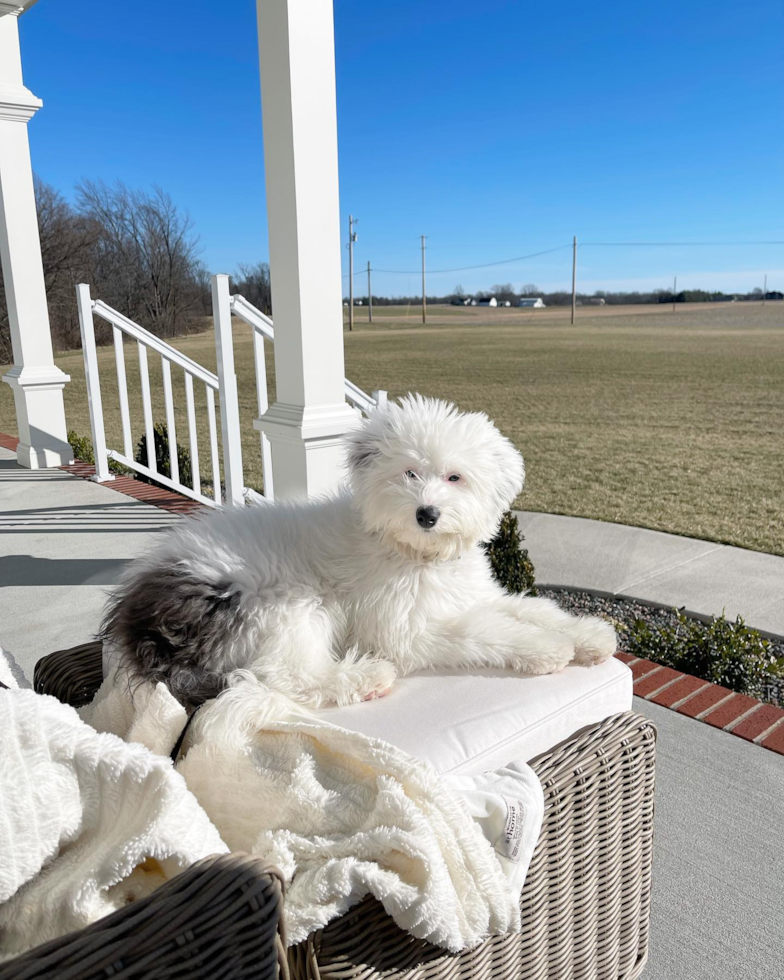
{"x": 328, "y": 600}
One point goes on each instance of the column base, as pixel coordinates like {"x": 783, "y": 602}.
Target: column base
{"x": 44, "y": 457}
{"x": 38, "y": 396}
{"x": 308, "y": 451}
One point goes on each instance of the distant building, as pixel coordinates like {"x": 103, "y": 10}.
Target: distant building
{"x": 597, "y": 301}
{"x": 535, "y": 301}
{"x": 492, "y": 301}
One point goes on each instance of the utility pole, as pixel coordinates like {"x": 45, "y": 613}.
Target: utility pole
{"x": 424, "y": 286}
{"x": 574, "y": 276}
{"x": 674, "y": 291}
{"x": 765, "y": 289}
{"x": 370, "y": 297}
{"x": 352, "y": 237}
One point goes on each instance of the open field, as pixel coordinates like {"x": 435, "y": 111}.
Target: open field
{"x": 635, "y": 414}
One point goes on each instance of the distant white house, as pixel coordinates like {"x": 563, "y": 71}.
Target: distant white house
{"x": 535, "y": 301}
{"x": 487, "y": 302}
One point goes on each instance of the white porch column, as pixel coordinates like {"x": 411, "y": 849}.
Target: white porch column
{"x": 310, "y": 415}
{"x": 36, "y": 382}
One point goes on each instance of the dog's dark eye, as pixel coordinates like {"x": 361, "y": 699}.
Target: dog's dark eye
{"x": 411, "y": 475}
{"x": 453, "y": 477}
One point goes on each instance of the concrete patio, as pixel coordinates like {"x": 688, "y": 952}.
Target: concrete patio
{"x": 718, "y": 872}
{"x": 63, "y": 542}
{"x": 669, "y": 569}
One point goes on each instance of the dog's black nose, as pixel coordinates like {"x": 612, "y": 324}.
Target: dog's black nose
{"x": 427, "y": 517}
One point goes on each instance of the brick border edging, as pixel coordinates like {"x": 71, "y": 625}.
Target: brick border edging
{"x": 167, "y": 500}
{"x": 757, "y": 722}
{"x": 748, "y": 718}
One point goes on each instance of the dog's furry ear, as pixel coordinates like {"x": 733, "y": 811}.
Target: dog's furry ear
{"x": 364, "y": 443}
{"x": 363, "y": 449}
{"x": 511, "y": 466}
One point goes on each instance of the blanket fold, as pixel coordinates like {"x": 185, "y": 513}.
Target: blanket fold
{"x": 342, "y": 815}
{"x": 87, "y": 822}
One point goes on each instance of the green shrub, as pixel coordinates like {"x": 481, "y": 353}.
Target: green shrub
{"x": 509, "y": 560}
{"x": 82, "y": 447}
{"x": 83, "y": 451}
{"x": 723, "y": 652}
{"x": 161, "y": 441}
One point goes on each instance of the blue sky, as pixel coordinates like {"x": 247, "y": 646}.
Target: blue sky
{"x": 497, "y": 129}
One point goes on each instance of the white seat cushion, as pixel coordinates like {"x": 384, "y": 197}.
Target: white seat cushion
{"x": 480, "y": 721}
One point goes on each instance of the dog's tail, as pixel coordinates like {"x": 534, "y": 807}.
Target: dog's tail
{"x": 168, "y": 624}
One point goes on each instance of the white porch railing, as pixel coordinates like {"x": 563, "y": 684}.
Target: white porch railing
{"x": 224, "y": 306}
{"x": 224, "y": 383}
{"x": 193, "y": 372}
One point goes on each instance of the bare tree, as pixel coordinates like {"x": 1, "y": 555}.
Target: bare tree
{"x": 504, "y": 293}
{"x": 66, "y": 244}
{"x": 67, "y": 240}
{"x": 253, "y": 282}
{"x": 145, "y": 257}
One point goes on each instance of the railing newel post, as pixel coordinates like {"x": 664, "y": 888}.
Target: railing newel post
{"x": 87, "y": 328}
{"x": 229, "y": 403}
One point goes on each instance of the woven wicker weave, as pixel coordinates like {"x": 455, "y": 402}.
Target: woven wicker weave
{"x": 218, "y": 919}
{"x": 72, "y": 676}
{"x": 586, "y": 901}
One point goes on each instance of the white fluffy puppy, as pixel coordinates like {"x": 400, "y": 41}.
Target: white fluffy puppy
{"x": 327, "y": 601}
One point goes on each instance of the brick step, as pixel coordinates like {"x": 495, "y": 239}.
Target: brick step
{"x": 739, "y": 714}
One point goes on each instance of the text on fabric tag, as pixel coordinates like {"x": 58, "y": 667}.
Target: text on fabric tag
{"x": 508, "y": 844}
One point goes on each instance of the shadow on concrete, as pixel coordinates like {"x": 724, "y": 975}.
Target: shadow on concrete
{"x": 25, "y": 570}
{"x": 84, "y": 518}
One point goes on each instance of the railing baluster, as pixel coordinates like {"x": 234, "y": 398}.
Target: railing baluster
{"x": 192, "y": 438}
{"x": 216, "y": 484}
{"x": 87, "y": 328}
{"x": 122, "y": 390}
{"x": 262, "y": 403}
{"x": 144, "y": 372}
{"x": 171, "y": 431}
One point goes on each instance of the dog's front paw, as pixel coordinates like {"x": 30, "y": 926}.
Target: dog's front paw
{"x": 594, "y": 641}
{"x": 379, "y": 680}
{"x": 546, "y": 653}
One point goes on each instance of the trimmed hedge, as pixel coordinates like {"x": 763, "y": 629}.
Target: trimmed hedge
{"x": 509, "y": 559}
{"x": 83, "y": 451}
{"x": 728, "y": 653}
{"x": 161, "y": 442}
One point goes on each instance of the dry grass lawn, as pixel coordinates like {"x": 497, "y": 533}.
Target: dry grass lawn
{"x": 636, "y": 415}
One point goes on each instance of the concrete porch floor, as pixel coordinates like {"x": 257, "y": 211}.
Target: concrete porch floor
{"x": 718, "y": 897}
{"x": 63, "y": 542}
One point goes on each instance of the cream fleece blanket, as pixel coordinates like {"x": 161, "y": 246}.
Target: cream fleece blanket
{"x": 88, "y": 822}
{"x": 344, "y": 816}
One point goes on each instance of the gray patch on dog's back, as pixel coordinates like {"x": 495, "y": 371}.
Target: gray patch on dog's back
{"x": 174, "y": 628}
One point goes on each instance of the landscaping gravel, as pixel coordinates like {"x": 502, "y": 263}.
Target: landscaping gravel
{"x": 627, "y": 611}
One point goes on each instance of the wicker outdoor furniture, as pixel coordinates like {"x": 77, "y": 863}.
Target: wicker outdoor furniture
{"x": 585, "y": 905}
{"x": 219, "y": 919}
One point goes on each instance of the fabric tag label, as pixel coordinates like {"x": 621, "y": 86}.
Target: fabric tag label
{"x": 508, "y": 844}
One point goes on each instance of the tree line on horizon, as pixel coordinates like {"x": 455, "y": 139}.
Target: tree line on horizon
{"x": 507, "y": 293}
{"x": 140, "y": 254}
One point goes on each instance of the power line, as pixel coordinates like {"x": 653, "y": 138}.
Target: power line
{"x": 672, "y": 244}
{"x": 558, "y": 248}
{"x": 484, "y": 265}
